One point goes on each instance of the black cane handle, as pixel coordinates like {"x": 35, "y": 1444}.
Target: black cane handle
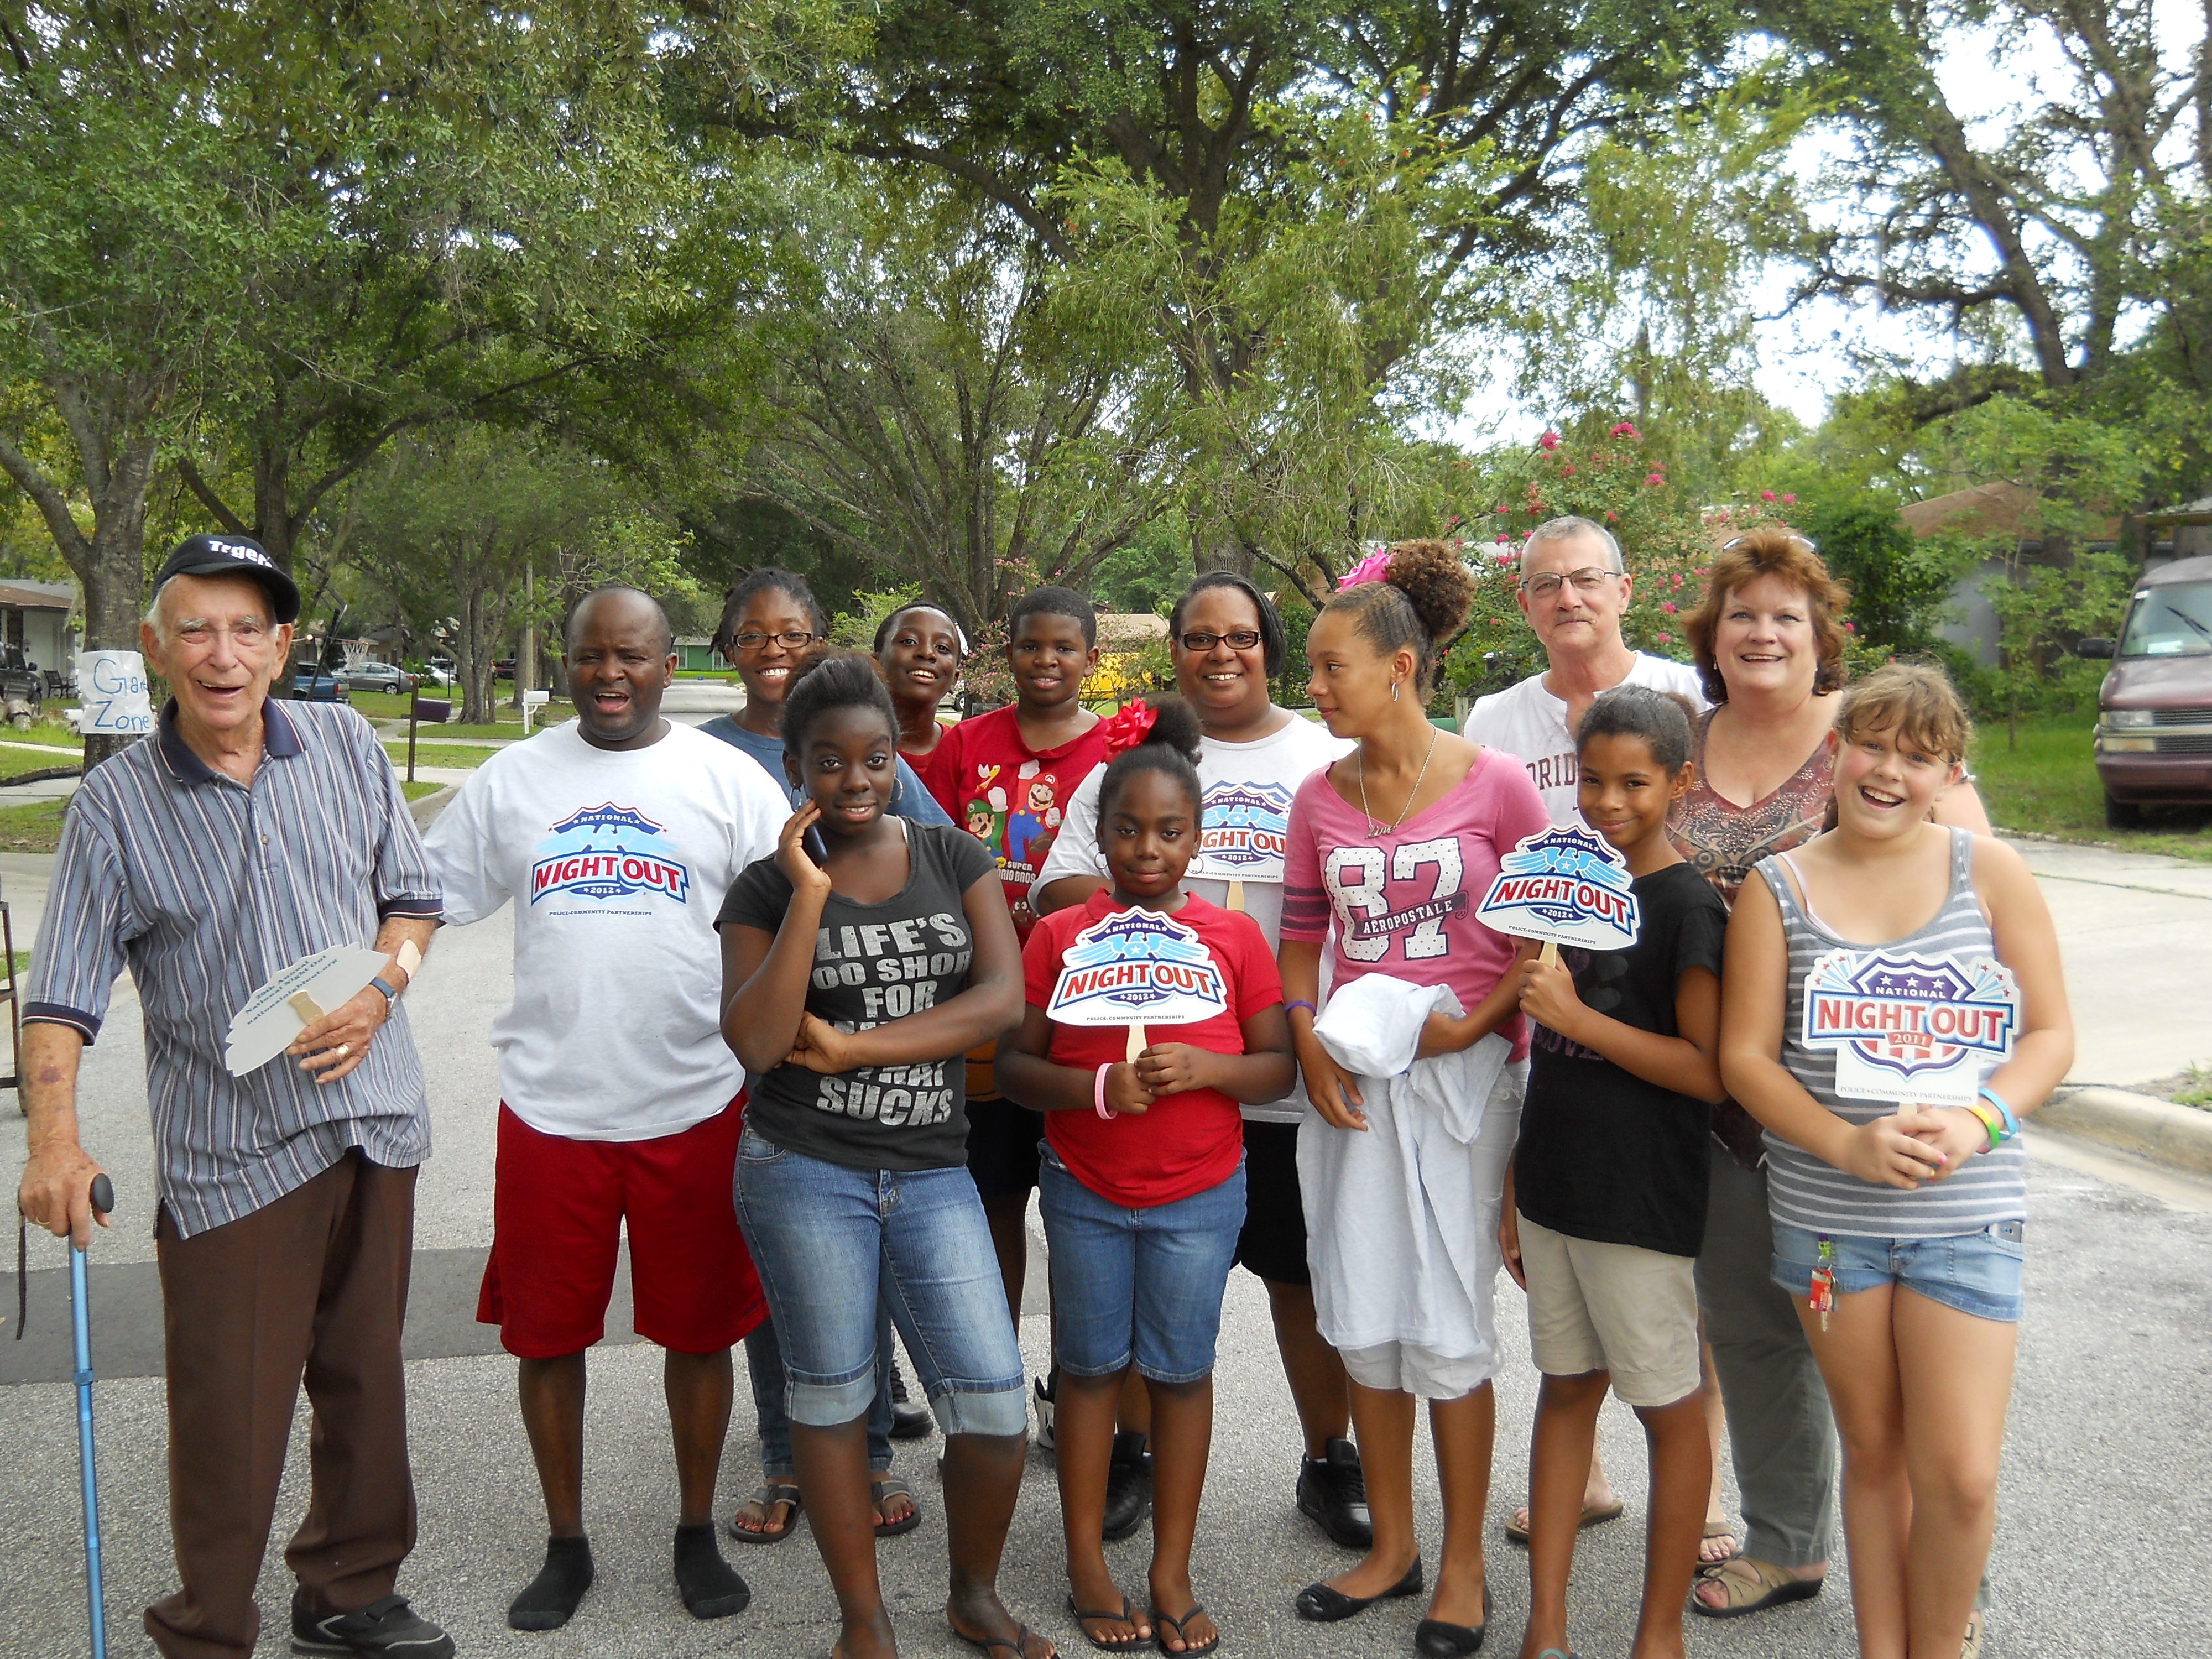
{"x": 103, "y": 1195}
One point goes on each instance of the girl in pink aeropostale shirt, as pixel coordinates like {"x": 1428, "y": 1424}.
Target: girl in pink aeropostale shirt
{"x": 1404, "y": 1175}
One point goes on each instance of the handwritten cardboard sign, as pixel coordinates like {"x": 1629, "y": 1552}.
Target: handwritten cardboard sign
{"x": 292, "y": 999}
{"x": 1136, "y": 967}
{"x": 1911, "y": 1028}
{"x": 1564, "y": 886}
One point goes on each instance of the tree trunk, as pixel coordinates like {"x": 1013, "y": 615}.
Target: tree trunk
{"x": 113, "y": 569}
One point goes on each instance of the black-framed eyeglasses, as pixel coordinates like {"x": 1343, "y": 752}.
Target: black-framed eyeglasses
{"x": 796, "y": 639}
{"x": 1591, "y": 580}
{"x": 1240, "y": 639}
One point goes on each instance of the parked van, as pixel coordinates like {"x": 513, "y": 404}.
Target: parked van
{"x": 2154, "y": 708}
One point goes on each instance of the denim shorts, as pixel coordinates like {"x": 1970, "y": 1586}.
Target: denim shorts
{"x": 830, "y": 1241}
{"x": 1138, "y": 1286}
{"x": 1977, "y": 1274}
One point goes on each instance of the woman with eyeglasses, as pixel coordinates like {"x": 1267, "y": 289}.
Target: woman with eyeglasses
{"x": 1227, "y": 644}
{"x": 770, "y": 623}
{"x": 1768, "y": 641}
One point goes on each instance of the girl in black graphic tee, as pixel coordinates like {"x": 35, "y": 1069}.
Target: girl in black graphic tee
{"x": 858, "y": 965}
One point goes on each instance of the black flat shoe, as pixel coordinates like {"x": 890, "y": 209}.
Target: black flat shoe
{"x": 1435, "y": 1639}
{"x": 1324, "y": 1606}
{"x": 1129, "y": 1487}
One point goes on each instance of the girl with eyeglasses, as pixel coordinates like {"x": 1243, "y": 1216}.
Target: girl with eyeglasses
{"x": 769, "y": 624}
{"x": 1228, "y": 645}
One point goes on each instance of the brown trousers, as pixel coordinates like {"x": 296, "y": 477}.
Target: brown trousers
{"x": 314, "y": 1285}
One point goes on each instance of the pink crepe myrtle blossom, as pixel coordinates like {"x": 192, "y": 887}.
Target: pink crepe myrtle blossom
{"x": 1667, "y": 605}
{"x": 1549, "y": 441}
{"x": 1666, "y": 639}
{"x": 1566, "y": 473}
{"x": 1789, "y": 501}
{"x": 1624, "y": 429}
{"x": 1767, "y": 495}
{"x": 1655, "y": 478}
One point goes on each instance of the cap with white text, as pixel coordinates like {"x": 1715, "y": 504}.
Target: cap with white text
{"x": 224, "y": 556}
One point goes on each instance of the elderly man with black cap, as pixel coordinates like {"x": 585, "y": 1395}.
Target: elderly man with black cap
{"x": 242, "y": 836}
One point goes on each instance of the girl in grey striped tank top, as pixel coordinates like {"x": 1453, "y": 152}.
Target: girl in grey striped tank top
{"x": 1898, "y": 1229}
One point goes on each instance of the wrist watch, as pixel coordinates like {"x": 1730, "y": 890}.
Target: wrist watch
{"x": 390, "y": 995}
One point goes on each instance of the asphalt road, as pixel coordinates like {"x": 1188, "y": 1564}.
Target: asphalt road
{"x": 2105, "y": 1533}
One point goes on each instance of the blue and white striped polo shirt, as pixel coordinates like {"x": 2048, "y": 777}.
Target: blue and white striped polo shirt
{"x": 204, "y": 887}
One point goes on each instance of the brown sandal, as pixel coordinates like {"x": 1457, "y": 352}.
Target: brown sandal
{"x": 1768, "y": 1586}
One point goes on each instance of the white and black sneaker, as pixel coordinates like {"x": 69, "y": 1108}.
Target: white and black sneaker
{"x": 385, "y": 1629}
{"x": 1045, "y": 1407}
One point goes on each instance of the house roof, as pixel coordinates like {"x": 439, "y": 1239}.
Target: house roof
{"x": 1126, "y": 630}
{"x": 2195, "y": 512}
{"x": 2002, "y": 508}
{"x": 38, "y": 596}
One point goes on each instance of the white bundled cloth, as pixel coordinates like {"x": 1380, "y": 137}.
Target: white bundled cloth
{"x": 1401, "y": 1218}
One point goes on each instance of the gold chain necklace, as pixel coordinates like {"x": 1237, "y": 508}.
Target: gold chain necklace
{"x": 1375, "y": 829}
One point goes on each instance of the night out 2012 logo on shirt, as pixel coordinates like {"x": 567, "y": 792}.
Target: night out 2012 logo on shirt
{"x": 1911, "y": 1028}
{"x": 1564, "y": 886}
{"x": 608, "y": 853}
{"x": 1244, "y": 833}
{"x": 1136, "y": 968}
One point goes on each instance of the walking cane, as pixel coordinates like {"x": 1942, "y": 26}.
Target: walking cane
{"x": 103, "y": 1199}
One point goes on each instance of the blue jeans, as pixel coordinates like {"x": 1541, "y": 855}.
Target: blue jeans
{"x": 1977, "y": 1274}
{"x": 764, "y": 1363}
{"x": 1139, "y": 1286}
{"x": 832, "y": 1244}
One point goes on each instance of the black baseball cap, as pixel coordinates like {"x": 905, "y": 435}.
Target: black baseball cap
{"x": 224, "y": 556}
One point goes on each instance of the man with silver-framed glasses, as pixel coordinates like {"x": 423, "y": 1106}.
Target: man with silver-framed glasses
{"x": 1573, "y": 589}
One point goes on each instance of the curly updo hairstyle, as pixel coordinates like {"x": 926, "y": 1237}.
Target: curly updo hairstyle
{"x": 826, "y": 680}
{"x": 1420, "y": 604}
{"x": 1171, "y": 748}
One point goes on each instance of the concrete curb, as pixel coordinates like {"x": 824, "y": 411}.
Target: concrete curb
{"x": 429, "y": 807}
{"x": 2179, "y": 1137}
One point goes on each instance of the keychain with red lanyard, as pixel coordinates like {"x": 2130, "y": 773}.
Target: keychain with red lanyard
{"x": 1822, "y": 1298}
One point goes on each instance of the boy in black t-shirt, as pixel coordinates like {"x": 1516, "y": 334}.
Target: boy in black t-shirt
{"x": 1605, "y": 1204}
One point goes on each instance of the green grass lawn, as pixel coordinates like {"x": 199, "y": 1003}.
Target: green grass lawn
{"x": 421, "y": 787}
{"x": 438, "y": 754}
{"x": 54, "y": 733}
{"x": 2048, "y": 784}
{"x": 505, "y": 722}
{"x": 34, "y": 827}
{"x": 15, "y": 763}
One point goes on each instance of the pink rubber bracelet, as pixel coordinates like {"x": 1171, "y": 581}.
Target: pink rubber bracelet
{"x": 1099, "y": 1093}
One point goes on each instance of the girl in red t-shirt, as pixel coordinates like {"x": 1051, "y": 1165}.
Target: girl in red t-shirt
{"x": 1143, "y": 1186}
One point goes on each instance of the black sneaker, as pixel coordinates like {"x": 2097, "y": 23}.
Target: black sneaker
{"x": 909, "y": 1420}
{"x": 1332, "y": 1492}
{"x": 386, "y": 1628}
{"x": 1128, "y": 1487}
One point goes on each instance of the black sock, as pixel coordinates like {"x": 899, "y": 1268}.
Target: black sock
{"x": 550, "y": 1600}
{"x": 708, "y": 1585}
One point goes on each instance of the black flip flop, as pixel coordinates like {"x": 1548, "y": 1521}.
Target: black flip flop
{"x": 1017, "y": 1645}
{"x": 881, "y": 1487}
{"x": 768, "y": 1495}
{"x": 1130, "y": 1643}
{"x": 1186, "y": 1651}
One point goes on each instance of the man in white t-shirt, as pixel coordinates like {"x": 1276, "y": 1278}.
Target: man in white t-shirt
{"x": 617, "y": 836}
{"x": 1574, "y": 588}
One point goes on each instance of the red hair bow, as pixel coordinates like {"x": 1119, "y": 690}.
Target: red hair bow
{"x": 1128, "y": 727}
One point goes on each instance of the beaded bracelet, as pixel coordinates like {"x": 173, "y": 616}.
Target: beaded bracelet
{"x": 1099, "y": 1093}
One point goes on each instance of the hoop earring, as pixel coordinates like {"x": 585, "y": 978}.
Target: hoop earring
{"x": 898, "y": 788}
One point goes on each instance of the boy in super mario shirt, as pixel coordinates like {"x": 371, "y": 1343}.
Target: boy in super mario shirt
{"x": 615, "y": 836}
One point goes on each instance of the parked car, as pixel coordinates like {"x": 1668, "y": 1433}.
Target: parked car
{"x": 503, "y": 669}
{"x": 19, "y": 681}
{"x": 386, "y": 677}
{"x": 2154, "y": 708}
{"x": 318, "y": 685}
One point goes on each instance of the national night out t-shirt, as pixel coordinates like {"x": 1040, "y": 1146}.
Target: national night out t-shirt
{"x": 1604, "y": 1155}
{"x": 874, "y": 964}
